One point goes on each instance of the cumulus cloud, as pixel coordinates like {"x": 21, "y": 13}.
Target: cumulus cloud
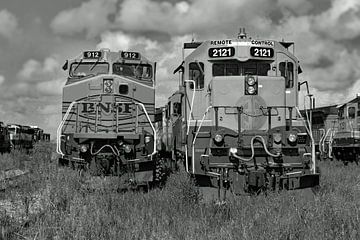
{"x": 2, "y": 79}
{"x": 341, "y": 21}
{"x": 91, "y": 16}
{"x": 199, "y": 16}
{"x": 8, "y": 24}
{"x": 34, "y": 71}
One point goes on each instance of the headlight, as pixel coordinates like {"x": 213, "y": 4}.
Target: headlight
{"x": 127, "y": 149}
{"x": 147, "y": 139}
{"x": 251, "y": 81}
{"x": 83, "y": 148}
{"x": 251, "y": 90}
{"x": 233, "y": 150}
{"x": 108, "y": 85}
{"x": 218, "y": 138}
{"x": 292, "y": 137}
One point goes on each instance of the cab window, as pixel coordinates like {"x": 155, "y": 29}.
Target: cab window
{"x": 236, "y": 68}
{"x": 341, "y": 112}
{"x": 88, "y": 69}
{"x": 287, "y": 70}
{"x": 196, "y": 74}
{"x": 176, "y": 108}
{"x": 138, "y": 71}
{"x": 351, "y": 112}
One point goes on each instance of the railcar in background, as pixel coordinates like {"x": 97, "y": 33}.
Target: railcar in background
{"x": 5, "y": 143}
{"x": 346, "y": 140}
{"x": 108, "y": 124}
{"x": 25, "y": 137}
{"x": 324, "y": 121}
{"x": 235, "y": 119}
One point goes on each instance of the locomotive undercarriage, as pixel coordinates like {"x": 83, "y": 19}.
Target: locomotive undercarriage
{"x": 257, "y": 165}
{"x": 130, "y": 160}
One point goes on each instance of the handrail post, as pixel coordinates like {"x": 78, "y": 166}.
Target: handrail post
{"x": 77, "y": 118}
{"x": 216, "y": 109}
{"x": 96, "y": 116}
{"x": 117, "y": 117}
{"x": 239, "y": 111}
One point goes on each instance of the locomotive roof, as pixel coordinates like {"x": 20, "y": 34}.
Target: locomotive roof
{"x": 281, "y": 45}
{"x": 332, "y": 109}
{"x": 113, "y": 56}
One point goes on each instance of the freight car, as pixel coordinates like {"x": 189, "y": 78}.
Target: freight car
{"x": 108, "y": 124}
{"x": 235, "y": 119}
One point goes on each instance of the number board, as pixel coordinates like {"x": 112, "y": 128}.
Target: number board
{"x": 92, "y": 54}
{"x": 221, "y": 52}
{"x": 130, "y": 55}
{"x": 262, "y": 52}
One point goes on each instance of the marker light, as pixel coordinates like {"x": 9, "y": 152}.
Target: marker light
{"x": 277, "y": 138}
{"x": 218, "y": 138}
{"x": 108, "y": 86}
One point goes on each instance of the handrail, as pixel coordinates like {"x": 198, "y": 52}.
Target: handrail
{"x": 322, "y": 140}
{"x": 188, "y": 125}
{"x": 192, "y": 105}
{"x": 308, "y": 129}
{"x": 151, "y": 124}
{"x": 61, "y": 125}
{"x": 196, "y": 134}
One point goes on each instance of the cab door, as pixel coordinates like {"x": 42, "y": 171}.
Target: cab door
{"x": 286, "y": 67}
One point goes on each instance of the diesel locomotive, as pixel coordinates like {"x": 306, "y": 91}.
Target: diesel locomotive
{"x": 108, "y": 124}
{"x": 235, "y": 119}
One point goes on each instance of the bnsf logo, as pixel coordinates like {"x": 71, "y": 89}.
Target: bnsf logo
{"x": 107, "y": 108}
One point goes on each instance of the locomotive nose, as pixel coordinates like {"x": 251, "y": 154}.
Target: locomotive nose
{"x": 253, "y": 94}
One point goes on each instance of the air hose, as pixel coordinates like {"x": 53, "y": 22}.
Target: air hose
{"x": 253, "y": 151}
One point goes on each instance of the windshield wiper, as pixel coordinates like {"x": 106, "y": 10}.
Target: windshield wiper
{"x": 76, "y": 67}
{"x": 92, "y": 67}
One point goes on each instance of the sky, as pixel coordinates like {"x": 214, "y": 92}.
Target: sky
{"x": 37, "y": 36}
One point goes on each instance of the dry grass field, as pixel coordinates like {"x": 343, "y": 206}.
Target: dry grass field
{"x": 54, "y": 203}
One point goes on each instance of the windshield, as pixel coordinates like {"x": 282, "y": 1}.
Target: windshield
{"x": 83, "y": 69}
{"x": 138, "y": 71}
{"x": 236, "y": 68}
